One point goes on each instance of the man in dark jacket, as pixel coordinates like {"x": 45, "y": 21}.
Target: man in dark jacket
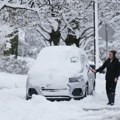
{"x": 112, "y": 74}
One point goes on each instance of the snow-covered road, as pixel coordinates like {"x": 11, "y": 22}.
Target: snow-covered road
{"x": 13, "y": 105}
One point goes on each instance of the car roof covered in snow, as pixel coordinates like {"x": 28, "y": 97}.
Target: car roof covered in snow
{"x": 58, "y": 54}
{"x": 63, "y": 49}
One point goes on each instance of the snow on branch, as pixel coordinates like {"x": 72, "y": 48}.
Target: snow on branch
{"x": 2, "y": 5}
{"x": 17, "y": 6}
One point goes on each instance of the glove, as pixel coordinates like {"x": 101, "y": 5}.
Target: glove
{"x": 94, "y": 71}
{"x": 116, "y": 79}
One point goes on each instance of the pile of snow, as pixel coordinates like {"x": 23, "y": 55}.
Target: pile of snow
{"x": 9, "y": 81}
{"x": 58, "y": 63}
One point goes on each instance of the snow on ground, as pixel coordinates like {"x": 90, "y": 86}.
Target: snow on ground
{"x": 13, "y": 105}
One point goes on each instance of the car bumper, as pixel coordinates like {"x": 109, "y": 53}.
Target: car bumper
{"x": 72, "y": 90}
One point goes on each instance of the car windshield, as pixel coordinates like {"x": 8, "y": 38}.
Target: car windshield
{"x": 60, "y": 57}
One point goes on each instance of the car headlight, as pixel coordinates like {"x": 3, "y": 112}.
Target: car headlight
{"x": 76, "y": 79}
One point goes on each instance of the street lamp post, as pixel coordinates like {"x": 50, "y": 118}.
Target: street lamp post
{"x": 106, "y": 33}
{"x": 94, "y": 31}
{"x": 96, "y": 37}
{"x": 96, "y": 34}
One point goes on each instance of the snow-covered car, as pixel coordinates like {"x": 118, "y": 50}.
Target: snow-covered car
{"x": 60, "y": 72}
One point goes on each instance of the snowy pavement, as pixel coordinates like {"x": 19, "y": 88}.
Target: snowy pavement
{"x": 13, "y": 105}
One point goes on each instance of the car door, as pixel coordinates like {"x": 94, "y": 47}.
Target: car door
{"x": 85, "y": 75}
{"x": 90, "y": 75}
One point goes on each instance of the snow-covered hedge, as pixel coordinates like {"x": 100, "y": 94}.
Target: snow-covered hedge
{"x": 17, "y": 66}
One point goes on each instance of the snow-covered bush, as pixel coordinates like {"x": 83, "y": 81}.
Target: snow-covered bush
{"x": 11, "y": 65}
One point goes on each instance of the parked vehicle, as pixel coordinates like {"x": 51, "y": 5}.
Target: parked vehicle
{"x": 60, "y": 72}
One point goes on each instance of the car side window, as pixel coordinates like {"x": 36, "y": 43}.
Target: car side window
{"x": 82, "y": 62}
{"x": 85, "y": 62}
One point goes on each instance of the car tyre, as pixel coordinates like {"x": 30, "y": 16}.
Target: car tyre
{"x": 28, "y": 97}
{"x": 94, "y": 85}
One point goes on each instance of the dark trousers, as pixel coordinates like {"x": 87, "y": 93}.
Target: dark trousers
{"x": 110, "y": 90}
{"x": 110, "y": 87}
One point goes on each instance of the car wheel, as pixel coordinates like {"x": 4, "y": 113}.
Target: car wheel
{"x": 94, "y": 85}
{"x": 28, "y": 97}
{"x": 30, "y": 93}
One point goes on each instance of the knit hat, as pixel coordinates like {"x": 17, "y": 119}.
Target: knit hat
{"x": 114, "y": 53}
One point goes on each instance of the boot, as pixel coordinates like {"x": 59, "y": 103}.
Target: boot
{"x": 112, "y": 98}
{"x": 109, "y": 100}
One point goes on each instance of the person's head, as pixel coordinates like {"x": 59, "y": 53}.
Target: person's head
{"x": 112, "y": 54}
